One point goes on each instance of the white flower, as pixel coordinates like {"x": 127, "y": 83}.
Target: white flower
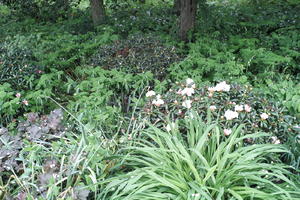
{"x": 247, "y": 108}
{"x": 212, "y": 108}
{"x": 188, "y": 91}
{"x": 275, "y": 140}
{"x": 150, "y": 93}
{"x": 158, "y": 96}
{"x": 229, "y": 115}
{"x": 223, "y": 86}
{"x": 196, "y": 195}
{"x": 239, "y": 108}
{"x": 187, "y": 104}
{"x": 171, "y": 126}
{"x": 264, "y": 116}
{"x": 227, "y": 132}
{"x": 190, "y": 83}
{"x": 158, "y": 102}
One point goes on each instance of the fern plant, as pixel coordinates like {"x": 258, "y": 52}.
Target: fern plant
{"x": 201, "y": 164}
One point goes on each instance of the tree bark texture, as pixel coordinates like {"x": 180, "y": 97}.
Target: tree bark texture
{"x": 98, "y": 11}
{"x": 187, "y": 17}
{"x": 176, "y": 7}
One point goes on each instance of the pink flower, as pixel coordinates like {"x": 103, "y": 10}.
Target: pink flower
{"x": 188, "y": 91}
{"x": 227, "y": 132}
{"x": 212, "y": 108}
{"x": 229, "y": 115}
{"x": 187, "y": 104}
{"x": 18, "y": 95}
{"x": 179, "y": 92}
{"x": 239, "y": 108}
{"x": 25, "y": 102}
{"x": 247, "y": 108}
{"x": 150, "y": 93}
{"x": 264, "y": 116}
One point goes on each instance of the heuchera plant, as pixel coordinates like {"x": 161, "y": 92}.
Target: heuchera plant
{"x": 34, "y": 128}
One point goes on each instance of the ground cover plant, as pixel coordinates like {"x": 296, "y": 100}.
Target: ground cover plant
{"x": 139, "y": 103}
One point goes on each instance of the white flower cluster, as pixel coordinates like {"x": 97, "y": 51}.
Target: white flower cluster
{"x": 158, "y": 101}
{"x": 223, "y": 86}
{"x": 229, "y": 114}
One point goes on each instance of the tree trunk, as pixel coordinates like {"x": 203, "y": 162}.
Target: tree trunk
{"x": 187, "y": 17}
{"x": 176, "y": 7}
{"x": 98, "y": 11}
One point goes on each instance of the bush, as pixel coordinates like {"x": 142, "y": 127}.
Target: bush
{"x": 17, "y": 64}
{"x": 229, "y": 105}
{"x": 208, "y": 60}
{"x": 42, "y": 9}
{"x": 104, "y": 97}
{"x": 137, "y": 54}
{"x": 144, "y": 18}
{"x": 200, "y": 163}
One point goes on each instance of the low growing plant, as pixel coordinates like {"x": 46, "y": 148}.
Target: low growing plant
{"x": 194, "y": 160}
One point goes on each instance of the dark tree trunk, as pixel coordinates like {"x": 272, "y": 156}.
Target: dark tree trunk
{"x": 187, "y": 17}
{"x": 98, "y": 11}
{"x": 176, "y": 7}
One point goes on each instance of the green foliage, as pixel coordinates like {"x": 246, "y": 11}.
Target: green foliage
{"x": 200, "y": 163}
{"x": 17, "y": 63}
{"x": 56, "y": 165}
{"x": 208, "y": 60}
{"x": 143, "y": 18}
{"x": 230, "y": 107}
{"x": 137, "y": 54}
{"x": 287, "y": 92}
{"x": 242, "y": 41}
{"x": 103, "y": 95}
{"x": 9, "y": 103}
{"x": 14, "y": 103}
{"x": 66, "y": 50}
{"x": 41, "y": 9}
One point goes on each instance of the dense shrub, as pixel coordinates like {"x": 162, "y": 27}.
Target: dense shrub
{"x": 17, "y": 64}
{"x": 103, "y": 97}
{"x": 145, "y": 18}
{"x": 229, "y": 105}
{"x": 15, "y": 102}
{"x": 42, "y": 9}
{"x": 208, "y": 60}
{"x": 137, "y": 54}
{"x": 248, "y": 107}
{"x": 200, "y": 163}
{"x": 285, "y": 91}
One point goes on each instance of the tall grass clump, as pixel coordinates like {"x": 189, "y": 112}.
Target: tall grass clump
{"x": 201, "y": 163}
